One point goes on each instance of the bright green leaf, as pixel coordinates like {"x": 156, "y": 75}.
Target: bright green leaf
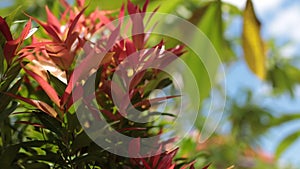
{"x": 287, "y": 142}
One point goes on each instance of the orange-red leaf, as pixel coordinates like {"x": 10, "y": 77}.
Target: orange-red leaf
{"x": 49, "y": 90}
{"x": 36, "y": 103}
{"x": 52, "y": 20}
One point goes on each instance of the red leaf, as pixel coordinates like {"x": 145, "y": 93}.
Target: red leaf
{"x": 136, "y": 80}
{"x": 206, "y": 167}
{"x": 105, "y": 20}
{"x": 80, "y": 3}
{"x": 134, "y": 148}
{"x": 49, "y": 29}
{"x": 146, "y": 165}
{"x": 9, "y": 50}
{"x": 52, "y": 20}
{"x": 71, "y": 39}
{"x": 130, "y": 48}
{"x": 93, "y": 110}
{"x": 65, "y": 3}
{"x": 190, "y": 165}
{"x": 46, "y": 87}
{"x": 92, "y": 60}
{"x": 131, "y": 8}
{"x": 25, "y": 31}
{"x": 36, "y": 103}
{"x": 110, "y": 115}
{"x": 77, "y": 93}
{"x": 29, "y": 123}
{"x": 138, "y": 34}
{"x": 121, "y": 14}
{"x": 4, "y": 28}
{"x": 12, "y": 45}
{"x": 166, "y": 161}
{"x": 132, "y": 129}
{"x": 113, "y": 37}
{"x": 155, "y": 100}
{"x": 74, "y": 23}
{"x": 156, "y": 157}
{"x": 145, "y": 6}
{"x": 67, "y": 93}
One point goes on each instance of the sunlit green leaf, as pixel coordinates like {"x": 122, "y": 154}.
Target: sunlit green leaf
{"x": 285, "y": 119}
{"x": 11, "y": 17}
{"x": 209, "y": 19}
{"x": 286, "y": 143}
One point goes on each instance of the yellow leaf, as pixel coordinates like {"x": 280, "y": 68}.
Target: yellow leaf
{"x": 231, "y": 167}
{"x": 252, "y": 42}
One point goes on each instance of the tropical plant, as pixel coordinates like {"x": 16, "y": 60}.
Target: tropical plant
{"x": 58, "y": 61}
{"x": 56, "y": 67}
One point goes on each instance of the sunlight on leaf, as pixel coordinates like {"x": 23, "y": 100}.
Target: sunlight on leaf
{"x": 286, "y": 143}
{"x": 253, "y": 44}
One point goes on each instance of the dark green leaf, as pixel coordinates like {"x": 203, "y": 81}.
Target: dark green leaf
{"x": 73, "y": 124}
{"x": 8, "y": 156}
{"x": 58, "y": 85}
{"x": 37, "y": 165}
{"x": 5, "y": 113}
{"x": 5, "y": 99}
{"x": 80, "y": 141}
{"x": 51, "y": 124}
{"x": 10, "y": 76}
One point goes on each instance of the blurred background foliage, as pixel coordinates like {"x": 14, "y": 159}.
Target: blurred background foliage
{"x": 248, "y": 121}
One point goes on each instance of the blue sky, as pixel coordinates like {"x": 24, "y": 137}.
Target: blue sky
{"x": 280, "y": 20}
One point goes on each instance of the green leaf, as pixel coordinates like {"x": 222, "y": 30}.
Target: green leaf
{"x": 11, "y": 17}
{"x": 81, "y": 140}
{"x": 10, "y": 76}
{"x": 58, "y": 85}
{"x": 5, "y": 113}
{"x": 286, "y": 142}
{"x": 39, "y": 165}
{"x": 285, "y": 119}
{"x": 73, "y": 124}
{"x": 252, "y": 42}
{"x": 209, "y": 19}
{"x": 172, "y": 5}
{"x": 156, "y": 84}
{"x": 280, "y": 80}
{"x": 34, "y": 143}
{"x": 104, "y": 5}
{"x": 51, "y": 124}
{"x": 232, "y": 9}
{"x": 6, "y": 132}
{"x": 8, "y": 156}
{"x": 200, "y": 74}
{"x": 5, "y": 100}
{"x": 293, "y": 73}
